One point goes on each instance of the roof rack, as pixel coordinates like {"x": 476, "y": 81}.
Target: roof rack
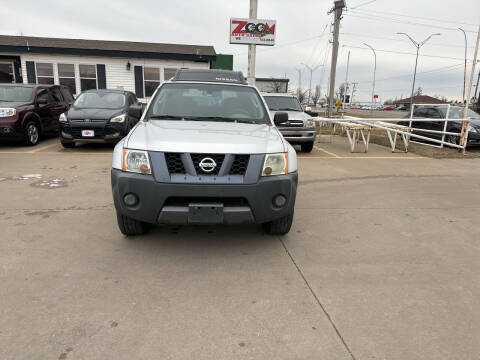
{"x": 222, "y": 76}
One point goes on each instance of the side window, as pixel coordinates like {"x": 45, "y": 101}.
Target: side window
{"x": 130, "y": 101}
{"x": 66, "y": 94}
{"x": 420, "y": 113}
{"x": 433, "y": 113}
{"x": 42, "y": 94}
{"x": 56, "y": 94}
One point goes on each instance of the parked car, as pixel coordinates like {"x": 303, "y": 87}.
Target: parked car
{"x": 206, "y": 151}
{"x": 29, "y": 111}
{"x": 401, "y": 108}
{"x": 388, "y": 108}
{"x": 455, "y": 126}
{"x": 99, "y": 116}
{"x": 299, "y": 128}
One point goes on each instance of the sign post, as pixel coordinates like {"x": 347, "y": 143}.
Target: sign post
{"x": 253, "y": 32}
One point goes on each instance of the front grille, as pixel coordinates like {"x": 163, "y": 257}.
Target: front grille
{"x": 77, "y": 133}
{"x": 197, "y": 158}
{"x": 174, "y": 163}
{"x": 294, "y": 123}
{"x": 226, "y": 201}
{"x": 239, "y": 165}
{"x": 89, "y": 121}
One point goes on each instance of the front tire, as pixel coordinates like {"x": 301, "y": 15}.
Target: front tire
{"x": 131, "y": 227}
{"x": 31, "y": 134}
{"x": 280, "y": 226}
{"x": 307, "y": 147}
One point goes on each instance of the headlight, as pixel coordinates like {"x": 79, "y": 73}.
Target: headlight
{"x": 6, "y": 112}
{"x": 472, "y": 129}
{"x": 118, "y": 119}
{"x": 309, "y": 123}
{"x": 136, "y": 161}
{"x": 63, "y": 118}
{"x": 275, "y": 164}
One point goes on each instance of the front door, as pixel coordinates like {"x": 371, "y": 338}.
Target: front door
{"x": 6, "y": 72}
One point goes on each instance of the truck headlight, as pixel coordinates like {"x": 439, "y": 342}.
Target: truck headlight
{"x": 472, "y": 129}
{"x": 136, "y": 161}
{"x": 6, "y": 112}
{"x": 63, "y": 118}
{"x": 275, "y": 164}
{"x": 118, "y": 119}
{"x": 309, "y": 123}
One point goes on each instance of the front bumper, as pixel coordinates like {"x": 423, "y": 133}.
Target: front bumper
{"x": 10, "y": 128}
{"x": 105, "y": 132}
{"x": 298, "y": 135}
{"x": 155, "y": 199}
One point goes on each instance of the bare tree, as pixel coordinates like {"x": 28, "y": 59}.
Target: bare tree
{"x": 316, "y": 95}
{"x": 301, "y": 95}
{"x": 419, "y": 91}
{"x": 276, "y": 87}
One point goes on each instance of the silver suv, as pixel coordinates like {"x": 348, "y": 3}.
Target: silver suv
{"x": 299, "y": 129}
{"x": 206, "y": 151}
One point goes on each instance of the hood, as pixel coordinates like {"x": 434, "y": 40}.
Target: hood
{"x": 205, "y": 137}
{"x": 12, "y": 104}
{"x": 293, "y": 115}
{"x": 98, "y": 114}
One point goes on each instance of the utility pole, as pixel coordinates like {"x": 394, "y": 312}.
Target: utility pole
{"x": 476, "y": 89}
{"x": 374, "y": 75}
{"x": 337, "y": 10}
{"x": 252, "y": 48}
{"x": 464, "y": 73}
{"x": 465, "y": 127}
{"x": 346, "y": 82}
{"x": 299, "y": 70}
{"x": 353, "y": 92}
{"x": 310, "y": 86}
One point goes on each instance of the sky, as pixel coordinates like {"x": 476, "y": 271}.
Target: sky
{"x": 303, "y": 36}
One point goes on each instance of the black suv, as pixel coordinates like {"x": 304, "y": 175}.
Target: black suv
{"x": 28, "y": 111}
{"x": 455, "y": 126}
{"x": 99, "y": 115}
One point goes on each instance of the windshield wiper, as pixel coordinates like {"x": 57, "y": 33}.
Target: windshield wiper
{"x": 288, "y": 109}
{"x": 166, "y": 117}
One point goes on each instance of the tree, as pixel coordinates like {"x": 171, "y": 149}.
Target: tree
{"x": 276, "y": 87}
{"x": 388, "y": 102}
{"x": 301, "y": 95}
{"x": 316, "y": 95}
{"x": 419, "y": 91}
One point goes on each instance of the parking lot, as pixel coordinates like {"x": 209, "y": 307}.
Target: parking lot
{"x": 381, "y": 263}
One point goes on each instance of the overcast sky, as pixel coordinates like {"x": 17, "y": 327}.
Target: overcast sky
{"x": 303, "y": 34}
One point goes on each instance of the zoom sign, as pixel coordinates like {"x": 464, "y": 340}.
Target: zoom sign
{"x": 252, "y": 31}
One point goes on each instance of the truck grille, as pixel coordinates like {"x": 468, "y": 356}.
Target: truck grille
{"x": 197, "y": 158}
{"x": 174, "y": 163}
{"x": 293, "y": 123}
{"x": 176, "y": 166}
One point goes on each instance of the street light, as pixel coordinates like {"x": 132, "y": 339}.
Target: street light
{"x": 310, "y": 86}
{"x": 374, "y": 74}
{"x": 418, "y": 46}
{"x": 464, "y": 74}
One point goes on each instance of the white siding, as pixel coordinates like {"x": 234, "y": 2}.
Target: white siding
{"x": 118, "y": 77}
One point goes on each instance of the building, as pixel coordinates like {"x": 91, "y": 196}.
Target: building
{"x": 419, "y": 99}
{"x": 272, "y": 85}
{"x": 88, "y": 64}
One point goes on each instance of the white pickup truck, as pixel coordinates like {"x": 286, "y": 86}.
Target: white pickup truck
{"x": 206, "y": 151}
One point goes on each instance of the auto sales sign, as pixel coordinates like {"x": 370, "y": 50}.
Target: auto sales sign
{"x": 252, "y": 31}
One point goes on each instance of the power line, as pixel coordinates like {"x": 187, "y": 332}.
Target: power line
{"x": 414, "y": 17}
{"x": 406, "y": 53}
{"x": 383, "y": 19}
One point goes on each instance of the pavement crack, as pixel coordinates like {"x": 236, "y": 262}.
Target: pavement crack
{"x": 317, "y": 299}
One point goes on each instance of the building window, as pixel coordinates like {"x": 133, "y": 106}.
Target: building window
{"x": 88, "y": 77}
{"x": 44, "y": 73}
{"x": 6, "y": 73}
{"x": 169, "y": 73}
{"x": 66, "y": 76}
{"x": 151, "y": 79}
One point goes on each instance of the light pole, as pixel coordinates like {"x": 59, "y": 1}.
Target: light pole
{"x": 310, "y": 86}
{"x": 374, "y": 74}
{"x": 464, "y": 74}
{"x": 418, "y": 46}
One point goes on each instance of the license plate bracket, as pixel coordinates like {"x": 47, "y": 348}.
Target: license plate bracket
{"x": 203, "y": 213}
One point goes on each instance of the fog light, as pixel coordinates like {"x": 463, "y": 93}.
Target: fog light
{"x": 279, "y": 201}
{"x": 130, "y": 199}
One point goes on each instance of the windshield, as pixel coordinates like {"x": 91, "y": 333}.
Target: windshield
{"x": 100, "y": 100}
{"x": 208, "y": 102}
{"x": 15, "y": 93}
{"x": 456, "y": 113}
{"x": 284, "y": 103}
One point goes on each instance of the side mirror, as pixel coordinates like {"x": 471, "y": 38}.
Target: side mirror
{"x": 135, "y": 111}
{"x": 42, "y": 101}
{"x": 280, "y": 118}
